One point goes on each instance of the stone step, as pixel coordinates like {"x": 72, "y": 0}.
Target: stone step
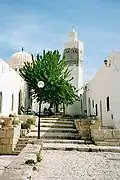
{"x": 52, "y": 135}
{"x": 57, "y": 119}
{"x": 23, "y": 142}
{"x": 52, "y": 129}
{"x": 108, "y": 143}
{"x": 67, "y": 141}
{"x": 80, "y": 147}
{"x": 21, "y": 145}
{"x": 57, "y": 125}
{"x": 19, "y": 148}
{"x": 50, "y": 118}
{"x": 62, "y": 146}
{"x": 16, "y": 152}
{"x": 111, "y": 140}
{"x": 57, "y": 122}
{"x": 56, "y": 142}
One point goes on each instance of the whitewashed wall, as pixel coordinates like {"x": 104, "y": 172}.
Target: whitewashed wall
{"x": 11, "y": 83}
{"x": 77, "y": 73}
{"x": 106, "y": 83}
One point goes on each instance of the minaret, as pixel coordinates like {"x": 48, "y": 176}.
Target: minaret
{"x": 73, "y": 53}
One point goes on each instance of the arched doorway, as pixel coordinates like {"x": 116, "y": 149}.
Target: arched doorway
{"x": 96, "y": 110}
{"x": 1, "y": 98}
{"x": 19, "y": 102}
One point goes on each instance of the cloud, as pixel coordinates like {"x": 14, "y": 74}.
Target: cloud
{"x": 36, "y": 25}
{"x": 31, "y": 31}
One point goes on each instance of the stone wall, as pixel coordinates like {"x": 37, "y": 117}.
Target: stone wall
{"x": 92, "y": 129}
{"x": 104, "y": 136}
{"x": 83, "y": 128}
{"x": 9, "y": 136}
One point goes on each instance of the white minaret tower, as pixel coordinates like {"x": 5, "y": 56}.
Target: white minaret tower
{"x": 73, "y": 52}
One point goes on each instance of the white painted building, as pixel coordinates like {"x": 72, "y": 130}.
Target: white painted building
{"x": 73, "y": 52}
{"x": 16, "y": 62}
{"x": 13, "y": 90}
{"x": 103, "y": 92}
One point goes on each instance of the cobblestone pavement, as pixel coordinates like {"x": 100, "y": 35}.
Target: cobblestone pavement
{"x": 5, "y": 161}
{"x": 74, "y": 165}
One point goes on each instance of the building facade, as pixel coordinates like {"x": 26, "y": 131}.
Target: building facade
{"x": 13, "y": 90}
{"x": 103, "y": 92}
{"x": 73, "y": 53}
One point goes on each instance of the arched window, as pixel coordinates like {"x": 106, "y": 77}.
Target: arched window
{"x": 93, "y": 103}
{"x": 96, "y": 108}
{"x": 108, "y": 103}
{"x": 0, "y": 102}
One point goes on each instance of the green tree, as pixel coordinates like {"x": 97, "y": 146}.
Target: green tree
{"x": 54, "y": 71}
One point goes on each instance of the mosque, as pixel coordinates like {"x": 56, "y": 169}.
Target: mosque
{"x": 99, "y": 97}
{"x": 13, "y": 88}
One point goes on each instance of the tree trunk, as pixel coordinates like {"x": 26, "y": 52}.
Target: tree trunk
{"x": 51, "y": 105}
{"x": 63, "y": 109}
{"x": 56, "y": 108}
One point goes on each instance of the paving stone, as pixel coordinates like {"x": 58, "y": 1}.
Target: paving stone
{"x": 74, "y": 165}
{"x": 18, "y": 170}
{"x": 5, "y": 161}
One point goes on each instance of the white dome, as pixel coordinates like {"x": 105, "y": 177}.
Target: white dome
{"x": 17, "y": 60}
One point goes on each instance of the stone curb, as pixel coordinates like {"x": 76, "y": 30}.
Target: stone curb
{"x": 17, "y": 169}
{"x": 86, "y": 149}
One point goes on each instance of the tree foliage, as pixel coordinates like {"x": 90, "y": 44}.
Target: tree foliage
{"x": 55, "y": 73}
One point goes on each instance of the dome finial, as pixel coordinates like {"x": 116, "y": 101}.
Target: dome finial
{"x": 22, "y": 49}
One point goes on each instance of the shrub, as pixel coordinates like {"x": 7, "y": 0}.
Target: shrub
{"x": 25, "y": 126}
{"x": 15, "y": 121}
{"x": 30, "y": 121}
{"x": 39, "y": 156}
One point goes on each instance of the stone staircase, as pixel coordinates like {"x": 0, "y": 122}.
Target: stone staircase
{"x": 56, "y": 133}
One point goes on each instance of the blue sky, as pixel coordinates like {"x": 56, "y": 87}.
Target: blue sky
{"x": 44, "y": 24}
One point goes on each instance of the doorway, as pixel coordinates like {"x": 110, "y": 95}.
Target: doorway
{"x": 89, "y": 106}
{"x": 19, "y": 102}
{"x": 96, "y": 110}
{"x": 101, "y": 110}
